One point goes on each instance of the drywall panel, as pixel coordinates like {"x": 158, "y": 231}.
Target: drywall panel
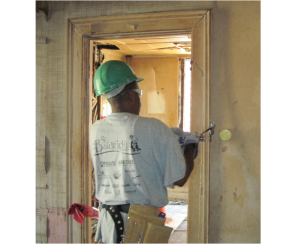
{"x": 235, "y": 105}
{"x": 160, "y": 87}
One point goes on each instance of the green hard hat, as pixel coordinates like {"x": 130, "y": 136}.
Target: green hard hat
{"x": 113, "y": 74}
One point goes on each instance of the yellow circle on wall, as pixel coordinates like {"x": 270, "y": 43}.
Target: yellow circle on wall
{"x": 225, "y": 135}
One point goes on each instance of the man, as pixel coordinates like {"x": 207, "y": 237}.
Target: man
{"x": 135, "y": 158}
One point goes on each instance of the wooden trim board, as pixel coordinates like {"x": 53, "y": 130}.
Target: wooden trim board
{"x": 198, "y": 219}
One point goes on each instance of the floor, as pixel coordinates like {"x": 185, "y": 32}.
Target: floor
{"x": 179, "y": 235}
{"x": 177, "y": 211}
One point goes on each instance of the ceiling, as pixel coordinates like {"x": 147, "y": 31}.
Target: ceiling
{"x": 160, "y": 46}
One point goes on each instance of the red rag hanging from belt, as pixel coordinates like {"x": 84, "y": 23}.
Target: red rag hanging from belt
{"x": 80, "y": 211}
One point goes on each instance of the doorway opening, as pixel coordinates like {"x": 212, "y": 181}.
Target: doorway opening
{"x": 81, "y": 31}
{"x": 165, "y": 64}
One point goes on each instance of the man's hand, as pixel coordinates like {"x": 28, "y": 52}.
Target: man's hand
{"x": 185, "y": 138}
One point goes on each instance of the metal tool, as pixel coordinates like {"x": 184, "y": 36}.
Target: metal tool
{"x": 211, "y": 130}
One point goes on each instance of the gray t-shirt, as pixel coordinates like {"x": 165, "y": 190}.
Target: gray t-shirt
{"x": 135, "y": 158}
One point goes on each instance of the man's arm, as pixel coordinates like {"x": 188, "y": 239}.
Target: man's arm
{"x": 189, "y": 162}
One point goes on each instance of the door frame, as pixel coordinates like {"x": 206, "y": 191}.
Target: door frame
{"x": 81, "y": 31}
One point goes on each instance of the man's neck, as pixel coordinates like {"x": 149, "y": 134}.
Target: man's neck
{"x": 119, "y": 109}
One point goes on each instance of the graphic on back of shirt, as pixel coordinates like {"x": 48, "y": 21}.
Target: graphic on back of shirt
{"x": 117, "y": 175}
{"x": 129, "y": 146}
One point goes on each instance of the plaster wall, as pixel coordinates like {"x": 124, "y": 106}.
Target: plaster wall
{"x": 235, "y": 105}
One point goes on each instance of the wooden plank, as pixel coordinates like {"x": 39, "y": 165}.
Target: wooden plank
{"x": 181, "y": 196}
{"x": 141, "y": 17}
{"x": 74, "y": 120}
{"x": 77, "y": 130}
{"x": 69, "y": 127}
{"x": 149, "y": 34}
{"x": 198, "y": 224}
{"x": 181, "y": 68}
{"x": 180, "y": 193}
{"x": 137, "y": 26}
{"x": 138, "y": 23}
{"x": 85, "y": 113}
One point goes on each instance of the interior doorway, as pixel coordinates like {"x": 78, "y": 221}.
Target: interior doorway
{"x": 81, "y": 32}
{"x": 165, "y": 64}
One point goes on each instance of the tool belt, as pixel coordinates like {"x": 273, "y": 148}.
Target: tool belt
{"x": 144, "y": 226}
{"x": 114, "y": 211}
